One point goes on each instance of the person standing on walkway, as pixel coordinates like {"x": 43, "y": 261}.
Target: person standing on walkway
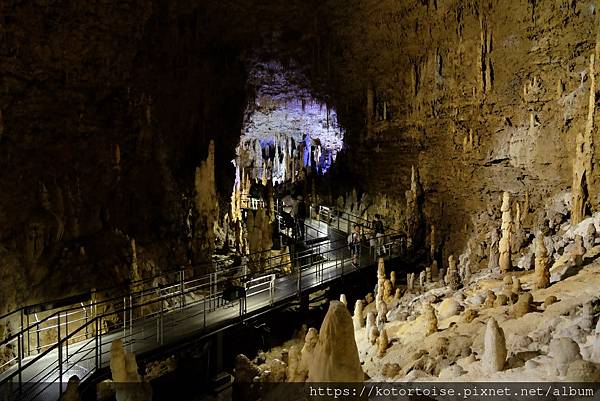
{"x": 354, "y": 244}
{"x": 379, "y": 232}
{"x": 300, "y": 216}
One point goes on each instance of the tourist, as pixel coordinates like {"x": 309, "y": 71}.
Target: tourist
{"x": 354, "y": 244}
{"x": 379, "y": 234}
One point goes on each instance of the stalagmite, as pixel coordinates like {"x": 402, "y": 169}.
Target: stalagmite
{"x": 494, "y": 255}
{"x": 371, "y": 322}
{"x": 382, "y": 343}
{"x": 343, "y": 299}
{"x": 413, "y": 217}
{"x": 524, "y": 305}
{"x": 590, "y": 236}
{"x": 373, "y": 335}
{"x": 388, "y": 292}
{"x": 72, "y": 391}
{"x": 393, "y": 279}
{"x": 452, "y": 278}
{"x": 410, "y": 281}
{"x": 432, "y": 243}
{"x": 308, "y": 349}
{"x": 490, "y": 299}
{"x": 129, "y": 386}
{"x": 295, "y": 371}
{"x": 431, "y": 325}
{"x": 542, "y": 264}
{"x": 494, "y": 355}
{"x": 584, "y": 188}
{"x": 505, "y": 241}
{"x": 382, "y": 310}
{"x": 516, "y": 285}
{"x": 357, "y": 319}
{"x": 335, "y": 356}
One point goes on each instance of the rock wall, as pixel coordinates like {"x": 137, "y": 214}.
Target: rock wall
{"x": 481, "y": 96}
{"x": 106, "y": 111}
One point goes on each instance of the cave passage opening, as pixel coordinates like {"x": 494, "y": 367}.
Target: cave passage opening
{"x": 288, "y": 134}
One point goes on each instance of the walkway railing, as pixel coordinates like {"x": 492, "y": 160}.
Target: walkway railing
{"x": 146, "y": 318}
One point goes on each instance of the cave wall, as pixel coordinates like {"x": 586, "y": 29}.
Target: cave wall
{"x": 483, "y": 96}
{"x": 106, "y": 110}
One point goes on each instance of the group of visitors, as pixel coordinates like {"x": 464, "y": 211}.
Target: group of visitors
{"x": 375, "y": 234}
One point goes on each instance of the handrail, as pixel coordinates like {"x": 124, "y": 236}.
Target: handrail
{"x": 172, "y": 294}
{"x": 175, "y": 291}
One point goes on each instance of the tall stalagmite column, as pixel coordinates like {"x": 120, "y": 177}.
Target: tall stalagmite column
{"x": 414, "y": 213}
{"x": 504, "y": 246}
{"x": 585, "y": 183}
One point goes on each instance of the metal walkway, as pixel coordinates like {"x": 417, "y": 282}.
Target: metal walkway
{"x": 147, "y": 319}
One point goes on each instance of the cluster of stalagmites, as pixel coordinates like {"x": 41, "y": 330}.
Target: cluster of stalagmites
{"x": 481, "y": 289}
{"x": 328, "y": 355}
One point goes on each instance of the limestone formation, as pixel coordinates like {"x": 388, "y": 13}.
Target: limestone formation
{"x": 410, "y": 281}
{"x": 371, "y": 322}
{"x": 245, "y": 373}
{"x": 494, "y": 355}
{"x": 516, "y": 285}
{"x": 393, "y": 279}
{"x": 373, "y": 335}
{"x": 489, "y": 299}
{"x": 432, "y": 243}
{"x": 563, "y": 351}
{"x": 428, "y": 274}
{"x": 382, "y": 343}
{"x": 587, "y": 316}
{"x": 431, "y": 322}
{"x": 524, "y": 305}
{"x": 501, "y": 300}
{"x": 504, "y": 246}
{"x": 398, "y": 293}
{"x": 335, "y": 356}
{"x": 469, "y": 315}
{"x": 542, "y": 264}
{"x": 549, "y": 301}
{"x": 308, "y": 349}
{"x": 358, "y": 319}
{"x": 452, "y": 278}
{"x": 422, "y": 279}
{"x": 205, "y": 208}
{"x": 388, "y": 292}
{"x": 343, "y": 299}
{"x": 582, "y": 371}
{"x": 390, "y": 370}
{"x": 382, "y": 311}
{"x": 414, "y": 214}
{"x": 584, "y": 191}
{"x": 129, "y": 385}
{"x": 72, "y": 391}
{"x": 448, "y": 307}
{"x": 590, "y": 236}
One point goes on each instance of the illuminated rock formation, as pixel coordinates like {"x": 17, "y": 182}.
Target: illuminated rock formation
{"x": 504, "y": 246}
{"x": 335, "y": 357}
{"x": 494, "y": 355}
{"x": 542, "y": 263}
